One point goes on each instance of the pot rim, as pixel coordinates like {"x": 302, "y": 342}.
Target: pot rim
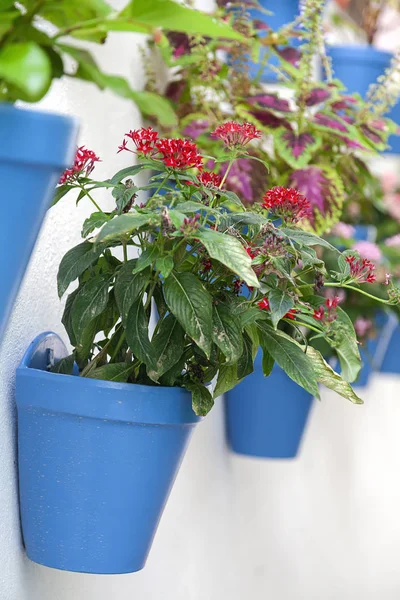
{"x": 359, "y": 53}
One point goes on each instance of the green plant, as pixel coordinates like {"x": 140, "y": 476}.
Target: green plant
{"x": 223, "y": 280}
{"x": 33, "y": 47}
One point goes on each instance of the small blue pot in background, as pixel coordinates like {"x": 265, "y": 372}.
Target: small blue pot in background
{"x": 266, "y": 416}
{"x": 282, "y": 13}
{"x": 97, "y": 460}
{"x": 390, "y": 346}
{"x": 35, "y": 149}
{"x": 358, "y": 67}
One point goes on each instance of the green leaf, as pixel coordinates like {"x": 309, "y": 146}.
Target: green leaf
{"x": 129, "y": 286}
{"x": 123, "y": 195}
{"x": 192, "y": 207}
{"x": 60, "y": 192}
{"x": 95, "y": 221}
{"x": 137, "y": 334}
{"x": 245, "y": 365}
{"x": 202, "y": 400}
{"x": 191, "y": 304}
{"x": 130, "y": 172}
{"x": 327, "y": 376}
{"x": 165, "y": 264}
{"x": 309, "y": 258}
{"x": 74, "y": 262}
{"x": 280, "y": 303}
{"x": 154, "y": 105}
{"x": 26, "y": 66}
{"x": 67, "y": 316}
{"x": 346, "y": 347}
{"x": 230, "y": 252}
{"x": 226, "y": 333}
{"x": 123, "y": 225}
{"x": 90, "y": 301}
{"x": 267, "y": 361}
{"x": 64, "y": 366}
{"x": 168, "y": 346}
{"x": 306, "y": 238}
{"x": 176, "y": 17}
{"x": 290, "y": 357}
{"x": 147, "y": 257}
{"x": 227, "y": 379}
{"x": 112, "y": 372}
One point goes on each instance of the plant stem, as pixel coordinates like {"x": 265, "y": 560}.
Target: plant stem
{"x": 91, "y": 199}
{"x": 290, "y": 321}
{"x": 118, "y": 347}
{"x": 354, "y": 289}
{"x": 232, "y": 160}
{"x": 125, "y": 251}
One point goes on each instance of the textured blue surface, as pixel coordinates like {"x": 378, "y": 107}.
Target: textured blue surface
{"x": 266, "y": 416}
{"x": 35, "y": 148}
{"x": 97, "y": 460}
{"x": 284, "y": 12}
{"x": 359, "y": 66}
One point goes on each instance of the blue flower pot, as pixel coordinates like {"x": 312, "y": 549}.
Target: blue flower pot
{"x": 266, "y": 416}
{"x": 284, "y": 12}
{"x": 359, "y": 66}
{"x": 97, "y": 460}
{"x": 35, "y": 149}
{"x": 391, "y": 346}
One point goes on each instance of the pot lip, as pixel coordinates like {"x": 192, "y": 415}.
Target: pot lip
{"x": 113, "y": 401}
{"x": 359, "y": 52}
{"x": 37, "y": 137}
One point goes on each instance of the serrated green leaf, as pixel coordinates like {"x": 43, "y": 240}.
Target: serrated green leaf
{"x": 95, "y": 221}
{"x": 90, "y": 302}
{"x": 168, "y": 346}
{"x": 329, "y": 378}
{"x": 289, "y": 356}
{"x": 230, "y": 252}
{"x": 226, "y": 333}
{"x": 191, "y": 304}
{"x": 280, "y": 303}
{"x": 137, "y": 334}
{"x": 74, "y": 262}
{"x": 123, "y": 225}
{"x": 128, "y": 287}
{"x": 112, "y": 372}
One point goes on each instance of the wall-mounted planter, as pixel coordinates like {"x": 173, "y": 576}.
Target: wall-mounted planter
{"x": 359, "y": 66}
{"x": 97, "y": 460}
{"x": 35, "y": 149}
{"x": 282, "y": 13}
{"x": 389, "y": 348}
{"x": 266, "y": 416}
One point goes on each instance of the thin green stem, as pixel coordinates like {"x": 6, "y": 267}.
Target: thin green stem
{"x": 125, "y": 250}
{"x": 291, "y": 321}
{"x": 226, "y": 173}
{"x": 360, "y": 291}
{"x": 91, "y": 199}
{"x": 118, "y": 347}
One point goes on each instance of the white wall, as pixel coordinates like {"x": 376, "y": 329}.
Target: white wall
{"x": 325, "y": 526}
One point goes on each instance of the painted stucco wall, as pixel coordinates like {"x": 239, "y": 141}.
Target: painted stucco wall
{"x": 325, "y": 526}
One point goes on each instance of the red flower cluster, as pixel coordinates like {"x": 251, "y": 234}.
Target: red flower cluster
{"x": 179, "y": 154}
{"x": 264, "y": 305}
{"x": 144, "y": 140}
{"x": 251, "y": 253}
{"x": 362, "y": 270}
{"x": 287, "y": 203}
{"x": 83, "y": 165}
{"x": 209, "y": 179}
{"x": 331, "y": 314}
{"x": 235, "y": 134}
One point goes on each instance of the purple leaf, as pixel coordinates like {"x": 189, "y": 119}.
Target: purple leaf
{"x": 372, "y": 135}
{"x": 195, "y": 129}
{"x": 330, "y": 122}
{"x": 296, "y": 149}
{"x": 268, "y": 119}
{"x": 298, "y": 143}
{"x": 270, "y": 101}
{"x": 344, "y": 103}
{"x": 291, "y": 55}
{"x": 324, "y": 190}
{"x": 317, "y": 95}
{"x": 260, "y": 25}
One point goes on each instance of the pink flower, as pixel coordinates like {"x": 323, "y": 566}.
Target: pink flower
{"x": 362, "y": 326}
{"x": 368, "y": 250}
{"x": 361, "y": 270}
{"x": 394, "y": 241}
{"x": 83, "y": 165}
{"x": 343, "y": 230}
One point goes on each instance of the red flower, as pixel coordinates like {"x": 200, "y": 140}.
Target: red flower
{"x": 264, "y": 304}
{"x": 250, "y": 252}
{"x": 83, "y": 165}
{"x": 362, "y": 270}
{"x": 144, "y": 140}
{"x": 179, "y": 154}
{"x": 291, "y": 314}
{"x": 237, "y": 286}
{"x": 287, "y": 203}
{"x": 209, "y": 179}
{"x": 319, "y": 314}
{"x": 235, "y": 134}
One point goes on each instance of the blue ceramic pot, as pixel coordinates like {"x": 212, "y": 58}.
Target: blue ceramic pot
{"x": 359, "y": 66}
{"x": 390, "y": 346}
{"x": 283, "y": 12}
{"x": 266, "y": 416}
{"x": 97, "y": 460}
{"x": 35, "y": 149}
